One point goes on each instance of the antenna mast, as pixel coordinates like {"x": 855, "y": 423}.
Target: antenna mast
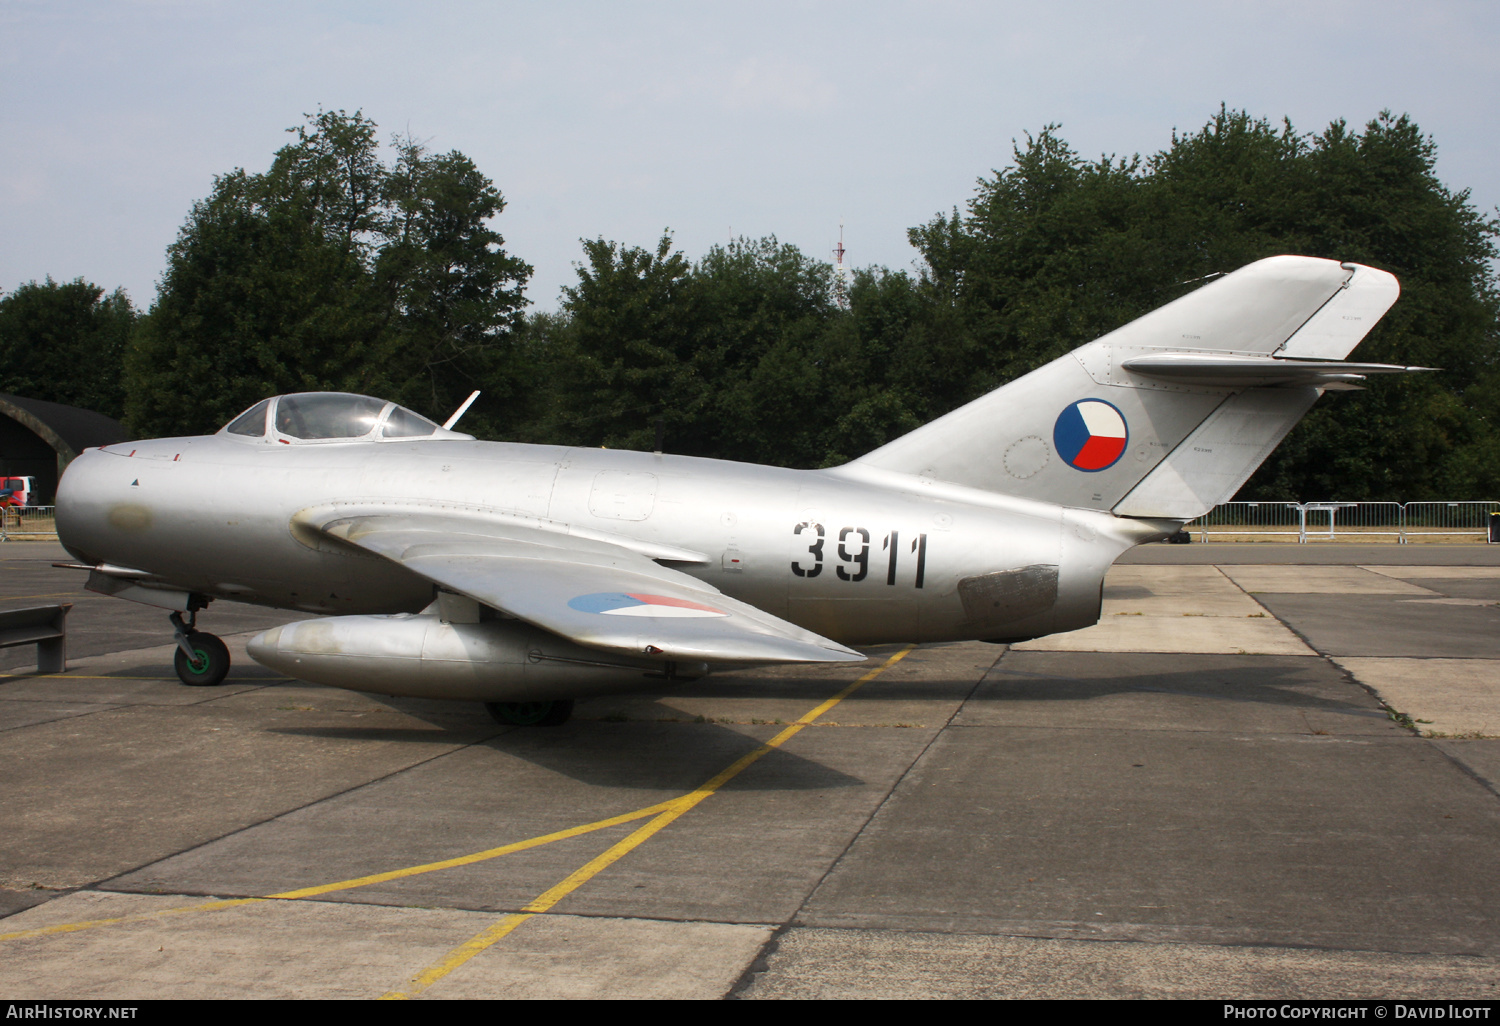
{"x": 840, "y": 273}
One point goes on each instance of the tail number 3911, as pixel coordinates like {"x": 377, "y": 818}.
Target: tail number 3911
{"x": 852, "y": 548}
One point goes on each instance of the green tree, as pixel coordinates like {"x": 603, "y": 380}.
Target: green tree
{"x": 763, "y": 309}
{"x": 455, "y": 294}
{"x": 623, "y": 355}
{"x": 881, "y": 371}
{"x": 65, "y": 343}
{"x": 1044, "y": 261}
{"x": 729, "y": 352}
{"x": 331, "y": 270}
{"x": 744, "y": 355}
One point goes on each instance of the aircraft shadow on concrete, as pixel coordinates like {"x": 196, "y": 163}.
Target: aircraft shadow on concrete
{"x": 1264, "y": 683}
{"x": 1128, "y": 591}
{"x": 634, "y": 752}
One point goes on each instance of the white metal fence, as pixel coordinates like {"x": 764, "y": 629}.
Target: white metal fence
{"x": 27, "y": 523}
{"x": 1400, "y": 522}
{"x": 1287, "y": 519}
{"x": 1447, "y": 518}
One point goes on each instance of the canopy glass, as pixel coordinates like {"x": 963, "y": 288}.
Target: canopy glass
{"x": 330, "y": 416}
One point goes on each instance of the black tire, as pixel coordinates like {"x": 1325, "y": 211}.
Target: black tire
{"x": 531, "y": 714}
{"x": 212, "y": 665}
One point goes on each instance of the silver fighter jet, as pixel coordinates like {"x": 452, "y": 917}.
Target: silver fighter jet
{"x": 524, "y": 576}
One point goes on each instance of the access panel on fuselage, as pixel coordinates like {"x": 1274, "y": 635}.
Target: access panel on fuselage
{"x": 507, "y": 478}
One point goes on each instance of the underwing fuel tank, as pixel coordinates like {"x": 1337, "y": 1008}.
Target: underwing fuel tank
{"x": 421, "y": 656}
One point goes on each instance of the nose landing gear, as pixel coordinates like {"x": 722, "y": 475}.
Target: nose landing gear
{"x": 201, "y": 659}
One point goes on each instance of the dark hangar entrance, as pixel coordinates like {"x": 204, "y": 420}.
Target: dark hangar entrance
{"x": 39, "y": 439}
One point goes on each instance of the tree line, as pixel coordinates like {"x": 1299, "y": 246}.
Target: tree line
{"x": 338, "y": 269}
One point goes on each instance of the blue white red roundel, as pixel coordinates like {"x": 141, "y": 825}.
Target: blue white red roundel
{"x": 1090, "y": 435}
{"x": 619, "y": 603}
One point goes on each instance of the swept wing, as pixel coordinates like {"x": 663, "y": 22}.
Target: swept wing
{"x": 588, "y": 589}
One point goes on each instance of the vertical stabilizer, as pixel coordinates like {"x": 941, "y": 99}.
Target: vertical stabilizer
{"x": 1171, "y": 413}
{"x": 1220, "y": 455}
{"x": 1342, "y": 322}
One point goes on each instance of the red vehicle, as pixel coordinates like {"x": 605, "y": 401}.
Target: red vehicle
{"x": 16, "y": 491}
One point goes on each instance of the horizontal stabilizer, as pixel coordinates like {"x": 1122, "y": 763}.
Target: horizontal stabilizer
{"x": 1227, "y": 371}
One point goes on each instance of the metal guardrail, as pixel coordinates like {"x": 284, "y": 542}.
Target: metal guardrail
{"x": 1376, "y": 521}
{"x": 27, "y": 523}
{"x": 1252, "y": 518}
{"x": 1448, "y": 518}
{"x": 1400, "y": 522}
{"x": 46, "y": 627}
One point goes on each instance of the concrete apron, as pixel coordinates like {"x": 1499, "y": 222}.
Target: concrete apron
{"x": 1234, "y": 813}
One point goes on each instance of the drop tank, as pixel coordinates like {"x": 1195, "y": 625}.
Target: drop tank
{"x": 420, "y": 656}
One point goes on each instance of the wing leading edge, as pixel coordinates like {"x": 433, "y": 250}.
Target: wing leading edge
{"x": 589, "y": 590}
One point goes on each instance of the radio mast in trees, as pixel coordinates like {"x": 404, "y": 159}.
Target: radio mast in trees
{"x": 840, "y": 274}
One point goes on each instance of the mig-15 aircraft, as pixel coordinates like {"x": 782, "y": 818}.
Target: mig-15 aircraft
{"x": 524, "y": 576}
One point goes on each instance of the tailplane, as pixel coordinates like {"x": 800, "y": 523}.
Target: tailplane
{"x": 1169, "y": 415}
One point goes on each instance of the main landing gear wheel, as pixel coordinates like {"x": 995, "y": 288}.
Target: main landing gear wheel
{"x": 531, "y": 714}
{"x": 210, "y": 662}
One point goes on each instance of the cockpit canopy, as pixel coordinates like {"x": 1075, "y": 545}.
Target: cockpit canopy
{"x": 305, "y": 417}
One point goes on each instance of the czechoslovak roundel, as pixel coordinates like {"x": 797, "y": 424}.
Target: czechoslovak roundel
{"x": 619, "y": 603}
{"x": 1090, "y": 435}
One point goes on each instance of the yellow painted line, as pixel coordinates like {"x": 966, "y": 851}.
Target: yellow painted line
{"x": 139, "y": 917}
{"x": 50, "y": 594}
{"x": 676, "y": 808}
{"x": 478, "y": 856}
{"x": 344, "y": 885}
{"x": 665, "y": 813}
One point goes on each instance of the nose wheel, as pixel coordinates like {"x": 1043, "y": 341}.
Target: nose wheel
{"x": 201, "y": 659}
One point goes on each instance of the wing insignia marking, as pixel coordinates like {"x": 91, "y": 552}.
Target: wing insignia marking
{"x": 619, "y": 603}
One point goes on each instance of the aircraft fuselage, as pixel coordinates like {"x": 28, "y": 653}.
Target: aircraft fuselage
{"x": 859, "y": 556}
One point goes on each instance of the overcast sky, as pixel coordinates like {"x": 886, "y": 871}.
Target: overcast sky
{"x": 711, "y": 119}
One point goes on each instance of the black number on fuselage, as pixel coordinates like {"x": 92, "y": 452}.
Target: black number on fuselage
{"x": 815, "y": 550}
{"x": 860, "y": 559}
{"x": 855, "y": 566}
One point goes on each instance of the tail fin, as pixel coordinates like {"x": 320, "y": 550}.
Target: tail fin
{"x": 1170, "y": 414}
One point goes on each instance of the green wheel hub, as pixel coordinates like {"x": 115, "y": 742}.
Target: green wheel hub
{"x": 204, "y": 664}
